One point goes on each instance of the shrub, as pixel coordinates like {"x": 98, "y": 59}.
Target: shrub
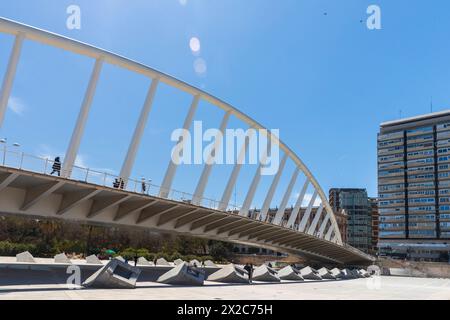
{"x": 11, "y": 249}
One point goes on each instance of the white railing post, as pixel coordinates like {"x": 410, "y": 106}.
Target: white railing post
{"x": 77, "y": 134}
{"x": 10, "y": 74}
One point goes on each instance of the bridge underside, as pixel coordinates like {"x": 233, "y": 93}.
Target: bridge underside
{"x": 36, "y": 195}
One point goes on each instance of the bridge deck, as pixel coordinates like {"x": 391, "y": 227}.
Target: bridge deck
{"x": 40, "y": 195}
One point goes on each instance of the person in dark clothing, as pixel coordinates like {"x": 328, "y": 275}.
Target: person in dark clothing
{"x": 249, "y": 270}
{"x": 135, "y": 260}
{"x": 118, "y": 183}
{"x": 56, "y": 168}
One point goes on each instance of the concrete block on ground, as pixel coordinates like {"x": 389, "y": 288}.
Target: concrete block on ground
{"x": 195, "y": 262}
{"x": 93, "y": 259}
{"x": 178, "y": 261}
{"x": 162, "y": 262}
{"x": 336, "y": 272}
{"x": 266, "y": 274}
{"x": 400, "y": 272}
{"x": 230, "y": 274}
{"x": 374, "y": 270}
{"x": 143, "y": 262}
{"x": 347, "y": 274}
{"x": 209, "y": 263}
{"x": 25, "y": 257}
{"x": 309, "y": 274}
{"x": 324, "y": 273}
{"x": 183, "y": 274}
{"x": 120, "y": 258}
{"x": 363, "y": 273}
{"x": 115, "y": 275}
{"x": 290, "y": 273}
{"x": 356, "y": 273}
{"x": 62, "y": 258}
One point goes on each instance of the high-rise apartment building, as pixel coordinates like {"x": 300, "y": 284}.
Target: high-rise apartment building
{"x": 355, "y": 204}
{"x": 414, "y": 187}
{"x": 375, "y": 225}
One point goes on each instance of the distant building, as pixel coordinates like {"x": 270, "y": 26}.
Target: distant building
{"x": 342, "y": 221}
{"x": 375, "y": 225}
{"x": 414, "y": 187}
{"x": 355, "y": 203}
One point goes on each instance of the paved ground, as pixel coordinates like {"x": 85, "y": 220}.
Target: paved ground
{"x": 386, "y": 288}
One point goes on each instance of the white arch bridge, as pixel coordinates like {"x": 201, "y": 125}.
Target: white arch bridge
{"x": 80, "y": 194}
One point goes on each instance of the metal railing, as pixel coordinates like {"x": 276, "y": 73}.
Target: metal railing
{"x": 22, "y": 161}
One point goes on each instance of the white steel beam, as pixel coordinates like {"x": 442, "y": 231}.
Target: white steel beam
{"x": 298, "y": 204}
{"x": 323, "y": 225}
{"x": 307, "y": 214}
{"x": 330, "y": 231}
{"x": 138, "y": 132}
{"x": 10, "y": 74}
{"x": 223, "y": 205}
{"x": 200, "y": 190}
{"x": 280, "y": 213}
{"x": 273, "y": 187}
{"x": 77, "y": 134}
{"x": 172, "y": 168}
{"x": 252, "y": 190}
{"x": 334, "y": 237}
{"x": 314, "y": 223}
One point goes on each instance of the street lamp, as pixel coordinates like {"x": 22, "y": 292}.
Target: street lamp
{"x": 4, "y": 141}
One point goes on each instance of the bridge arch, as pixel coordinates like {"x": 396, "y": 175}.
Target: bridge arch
{"x": 323, "y": 225}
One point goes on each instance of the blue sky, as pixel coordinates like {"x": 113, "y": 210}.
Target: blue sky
{"x": 325, "y": 81}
